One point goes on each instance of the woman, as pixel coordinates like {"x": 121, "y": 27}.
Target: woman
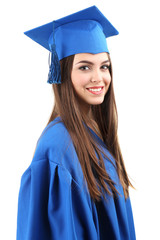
{"x": 77, "y": 186}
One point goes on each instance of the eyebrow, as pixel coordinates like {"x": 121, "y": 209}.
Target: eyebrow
{"x": 91, "y": 63}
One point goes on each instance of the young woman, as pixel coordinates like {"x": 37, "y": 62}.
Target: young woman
{"x": 77, "y": 186}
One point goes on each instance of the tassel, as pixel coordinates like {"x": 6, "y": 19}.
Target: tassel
{"x": 54, "y": 75}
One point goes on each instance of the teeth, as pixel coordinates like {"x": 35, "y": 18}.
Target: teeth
{"x": 95, "y": 89}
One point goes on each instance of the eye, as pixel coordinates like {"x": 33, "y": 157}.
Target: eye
{"x": 83, "y": 68}
{"x": 105, "y": 67}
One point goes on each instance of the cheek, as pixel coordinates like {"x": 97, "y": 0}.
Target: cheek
{"x": 79, "y": 80}
{"x": 107, "y": 82}
{"x": 108, "y": 79}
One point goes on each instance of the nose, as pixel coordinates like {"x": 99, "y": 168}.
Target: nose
{"x": 96, "y": 76}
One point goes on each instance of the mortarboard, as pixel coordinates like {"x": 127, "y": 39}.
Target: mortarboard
{"x": 81, "y": 32}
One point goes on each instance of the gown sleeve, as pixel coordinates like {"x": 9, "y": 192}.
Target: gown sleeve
{"x": 52, "y": 205}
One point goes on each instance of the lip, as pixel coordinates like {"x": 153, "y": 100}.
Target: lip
{"x": 96, "y": 87}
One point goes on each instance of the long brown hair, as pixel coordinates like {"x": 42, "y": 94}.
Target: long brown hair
{"x": 105, "y": 115}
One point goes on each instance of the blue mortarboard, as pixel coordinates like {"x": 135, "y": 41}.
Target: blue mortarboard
{"x": 82, "y": 32}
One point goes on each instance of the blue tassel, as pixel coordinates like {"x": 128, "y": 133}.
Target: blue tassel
{"x": 54, "y": 75}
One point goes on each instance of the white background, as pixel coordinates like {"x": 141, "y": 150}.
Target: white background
{"x": 26, "y": 99}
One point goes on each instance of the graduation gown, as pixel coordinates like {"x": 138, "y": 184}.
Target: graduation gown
{"x": 54, "y": 202}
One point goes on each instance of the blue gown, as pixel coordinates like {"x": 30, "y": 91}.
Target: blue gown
{"x": 54, "y": 203}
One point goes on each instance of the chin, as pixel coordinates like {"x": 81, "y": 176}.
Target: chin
{"x": 95, "y": 104}
{"x": 98, "y": 102}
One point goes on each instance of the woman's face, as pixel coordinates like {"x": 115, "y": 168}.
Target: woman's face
{"x": 91, "y": 78}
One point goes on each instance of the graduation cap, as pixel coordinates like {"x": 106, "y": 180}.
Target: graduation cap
{"x": 82, "y": 32}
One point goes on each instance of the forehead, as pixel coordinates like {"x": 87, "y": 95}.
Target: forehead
{"x": 99, "y": 57}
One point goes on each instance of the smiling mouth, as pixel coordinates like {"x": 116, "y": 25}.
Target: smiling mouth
{"x": 95, "y": 90}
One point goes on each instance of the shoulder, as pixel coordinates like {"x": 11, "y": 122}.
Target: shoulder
{"x": 55, "y": 148}
{"x": 55, "y": 137}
